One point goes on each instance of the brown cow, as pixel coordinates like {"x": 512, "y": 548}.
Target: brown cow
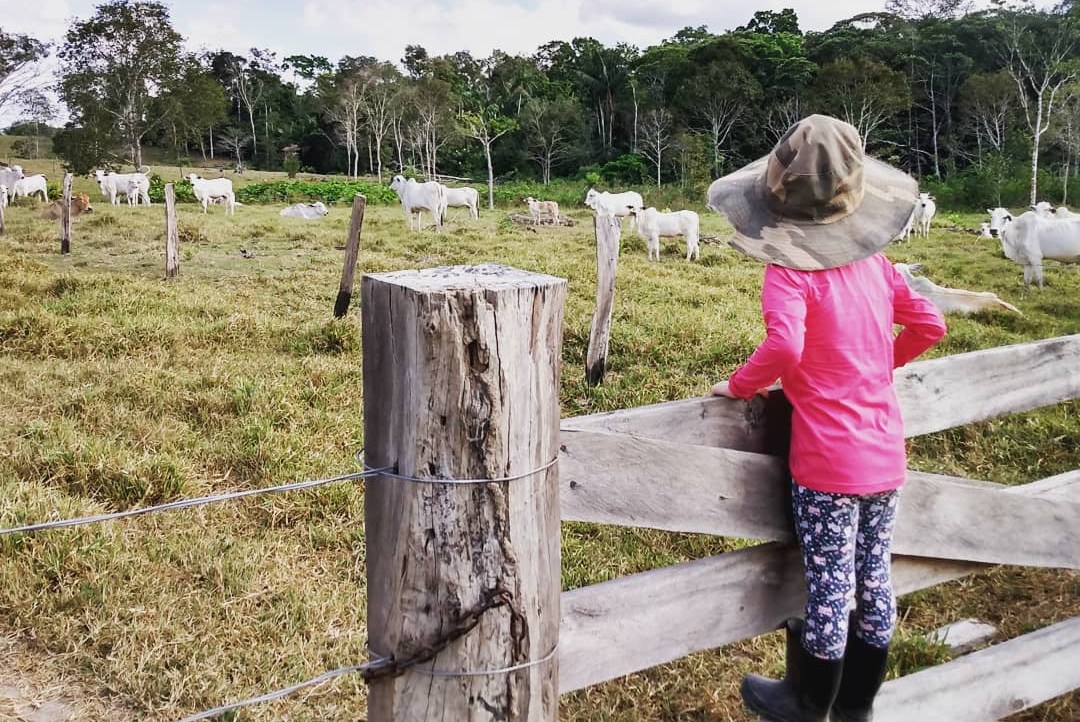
{"x": 79, "y": 204}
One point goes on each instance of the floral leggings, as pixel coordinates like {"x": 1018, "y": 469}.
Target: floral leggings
{"x": 846, "y": 542}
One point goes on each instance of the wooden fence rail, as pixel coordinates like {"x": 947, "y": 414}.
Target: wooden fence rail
{"x": 713, "y": 465}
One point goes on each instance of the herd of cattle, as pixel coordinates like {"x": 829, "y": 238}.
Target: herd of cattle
{"x": 1027, "y": 239}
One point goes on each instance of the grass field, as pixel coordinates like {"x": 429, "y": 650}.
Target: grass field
{"x": 120, "y": 389}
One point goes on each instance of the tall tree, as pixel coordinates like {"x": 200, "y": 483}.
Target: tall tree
{"x": 865, "y": 94}
{"x": 114, "y": 66}
{"x": 550, "y": 127}
{"x": 657, "y": 138}
{"x": 196, "y": 105}
{"x": 1039, "y": 58}
{"x": 987, "y": 102}
{"x": 38, "y": 110}
{"x": 486, "y": 126}
{"x": 19, "y": 55}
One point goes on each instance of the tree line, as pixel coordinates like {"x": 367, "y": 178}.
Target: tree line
{"x": 988, "y": 101}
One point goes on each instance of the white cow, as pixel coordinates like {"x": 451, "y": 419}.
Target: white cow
{"x": 543, "y": 208}
{"x": 115, "y": 184}
{"x": 416, "y": 197}
{"x": 905, "y": 232}
{"x": 1044, "y": 209}
{"x": 463, "y": 198}
{"x": 925, "y": 208}
{"x": 614, "y": 204}
{"x": 3, "y": 196}
{"x": 999, "y": 219}
{"x": 984, "y": 230}
{"x": 1030, "y": 238}
{"x": 209, "y": 190}
{"x": 305, "y": 210}
{"x": 652, "y": 225}
{"x": 30, "y": 185}
{"x": 10, "y": 176}
{"x": 951, "y": 300}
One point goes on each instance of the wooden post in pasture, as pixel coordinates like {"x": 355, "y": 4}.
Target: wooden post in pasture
{"x": 172, "y": 234}
{"x": 2, "y": 216}
{"x": 352, "y": 250}
{"x": 461, "y": 382}
{"x": 607, "y": 261}
{"x": 65, "y": 216}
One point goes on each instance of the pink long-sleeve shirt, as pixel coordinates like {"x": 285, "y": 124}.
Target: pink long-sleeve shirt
{"x": 830, "y": 341}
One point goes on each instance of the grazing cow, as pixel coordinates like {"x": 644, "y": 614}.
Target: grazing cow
{"x": 116, "y": 184}
{"x": 1030, "y": 238}
{"x": 925, "y": 208}
{"x": 951, "y": 300}
{"x": 30, "y": 185}
{"x": 80, "y": 203}
{"x": 212, "y": 190}
{"x": 464, "y": 198}
{"x": 652, "y": 225}
{"x": 543, "y": 208}
{"x": 416, "y": 197}
{"x": 305, "y": 210}
{"x": 614, "y": 204}
{"x": 984, "y": 230}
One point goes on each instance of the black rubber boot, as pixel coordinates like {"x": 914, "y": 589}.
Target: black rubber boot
{"x": 807, "y": 690}
{"x": 864, "y": 671}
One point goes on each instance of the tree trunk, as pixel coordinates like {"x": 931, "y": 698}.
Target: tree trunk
{"x": 1036, "y": 136}
{"x": 491, "y": 177}
{"x": 136, "y": 152}
{"x": 211, "y": 134}
{"x": 378, "y": 157}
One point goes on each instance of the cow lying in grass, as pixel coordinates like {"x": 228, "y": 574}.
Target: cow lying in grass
{"x": 79, "y": 204}
{"x": 951, "y": 300}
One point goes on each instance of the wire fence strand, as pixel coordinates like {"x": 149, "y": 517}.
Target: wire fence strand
{"x": 186, "y": 503}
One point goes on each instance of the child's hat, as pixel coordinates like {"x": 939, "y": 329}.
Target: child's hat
{"x": 816, "y": 201}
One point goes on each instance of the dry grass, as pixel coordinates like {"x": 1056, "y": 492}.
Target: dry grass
{"x": 118, "y": 389}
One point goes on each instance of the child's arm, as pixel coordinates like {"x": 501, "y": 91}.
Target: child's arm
{"x": 923, "y": 323}
{"x": 783, "y": 305}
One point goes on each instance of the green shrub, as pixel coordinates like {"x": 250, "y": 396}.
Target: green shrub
{"x": 182, "y": 188}
{"x": 629, "y": 169}
{"x": 291, "y": 165}
{"x": 291, "y": 191}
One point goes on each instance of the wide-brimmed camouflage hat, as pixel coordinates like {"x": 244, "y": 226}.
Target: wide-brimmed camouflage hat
{"x": 816, "y": 201}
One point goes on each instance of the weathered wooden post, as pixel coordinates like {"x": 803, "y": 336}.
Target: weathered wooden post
{"x": 461, "y": 397}
{"x": 607, "y": 261}
{"x": 172, "y": 234}
{"x": 352, "y": 250}
{"x": 65, "y": 216}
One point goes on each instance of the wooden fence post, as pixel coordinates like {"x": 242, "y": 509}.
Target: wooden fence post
{"x": 65, "y": 216}
{"x": 607, "y": 261}
{"x": 352, "y": 250}
{"x": 461, "y": 382}
{"x": 172, "y": 234}
{"x": 2, "y": 202}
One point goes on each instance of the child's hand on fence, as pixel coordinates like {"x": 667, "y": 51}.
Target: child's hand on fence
{"x": 722, "y": 389}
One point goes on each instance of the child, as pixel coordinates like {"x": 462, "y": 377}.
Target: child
{"x": 818, "y": 212}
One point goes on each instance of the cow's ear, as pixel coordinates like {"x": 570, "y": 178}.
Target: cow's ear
{"x": 990, "y": 211}
{"x": 1008, "y": 217}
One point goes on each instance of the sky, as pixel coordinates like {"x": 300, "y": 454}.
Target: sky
{"x": 382, "y": 28}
